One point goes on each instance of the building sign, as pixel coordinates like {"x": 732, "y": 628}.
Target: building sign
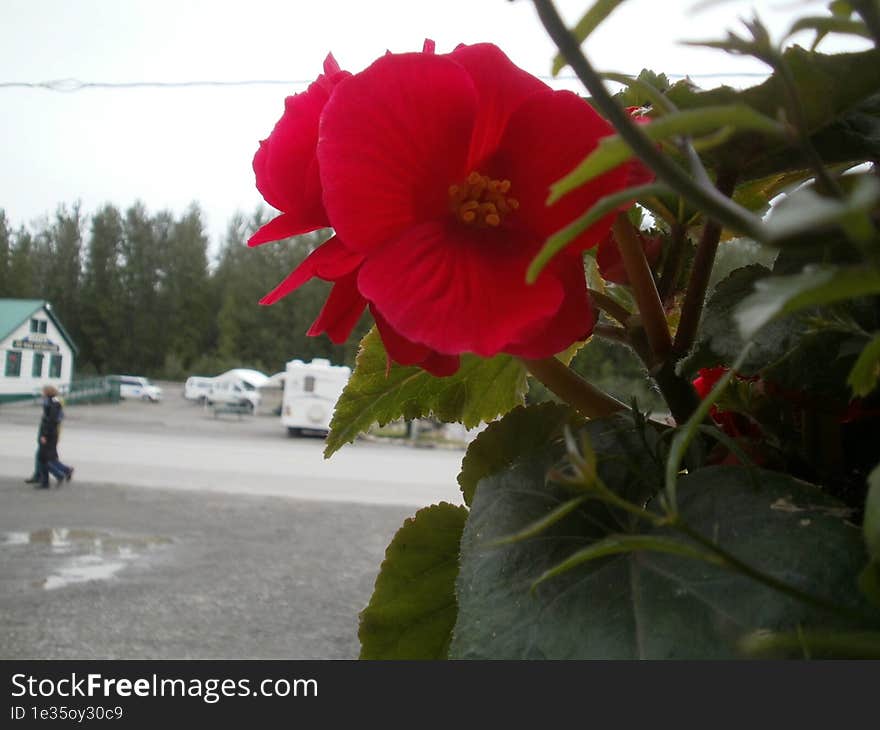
{"x": 36, "y": 341}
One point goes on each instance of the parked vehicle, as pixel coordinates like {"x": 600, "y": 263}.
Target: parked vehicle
{"x": 238, "y": 386}
{"x": 137, "y": 387}
{"x": 311, "y": 390}
{"x": 197, "y": 388}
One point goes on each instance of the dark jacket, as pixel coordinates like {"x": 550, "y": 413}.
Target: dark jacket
{"x": 53, "y": 414}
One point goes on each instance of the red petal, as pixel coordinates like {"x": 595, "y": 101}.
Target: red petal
{"x": 341, "y": 312}
{"x": 573, "y": 322}
{"x": 405, "y": 352}
{"x": 455, "y": 291}
{"x": 609, "y": 261}
{"x": 545, "y": 139}
{"x": 285, "y": 165}
{"x": 285, "y": 226}
{"x": 330, "y": 261}
{"x": 501, "y": 88}
{"x": 393, "y": 139}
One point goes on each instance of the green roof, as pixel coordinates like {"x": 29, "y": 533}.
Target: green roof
{"x": 13, "y": 312}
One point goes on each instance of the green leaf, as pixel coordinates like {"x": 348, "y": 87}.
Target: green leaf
{"x": 866, "y": 372}
{"x": 591, "y": 20}
{"x": 605, "y": 206}
{"x": 481, "y": 390}
{"x": 645, "y": 604}
{"x": 520, "y": 434}
{"x": 827, "y": 103}
{"x": 779, "y": 295}
{"x": 756, "y": 195}
{"x": 825, "y": 25}
{"x": 412, "y": 610}
{"x": 613, "y": 151}
{"x": 643, "y": 90}
{"x": 805, "y": 211}
{"x": 871, "y": 524}
{"x": 719, "y": 340}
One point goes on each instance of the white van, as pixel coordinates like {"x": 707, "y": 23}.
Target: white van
{"x": 311, "y": 390}
{"x": 135, "y": 386}
{"x": 196, "y": 388}
{"x": 237, "y": 386}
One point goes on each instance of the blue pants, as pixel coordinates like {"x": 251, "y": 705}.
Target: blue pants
{"x": 55, "y": 468}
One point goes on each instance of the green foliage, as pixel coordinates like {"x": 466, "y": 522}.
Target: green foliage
{"x": 138, "y": 294}
{"x": 519, "y": 435}
{"x": 649, "y": 597}
{"x": 720, "y": 341}
{"x": 413, "y": 607}
{"x": 777, "y": 296}
{"x": 866, "y": 372}
{"x": 380, "y": 391}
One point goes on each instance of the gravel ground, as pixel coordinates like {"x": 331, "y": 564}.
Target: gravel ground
{"x": 111, "y": 571}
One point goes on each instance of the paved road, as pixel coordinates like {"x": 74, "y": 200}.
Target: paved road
{"x": 246, "y": 544}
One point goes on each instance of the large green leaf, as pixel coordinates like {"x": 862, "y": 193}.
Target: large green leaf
{"x": 720, "y": 342}
{"x": 650, "y": 604}
{"x": 412, "y": 610}
{"x": 780, "y": 295}
{"x": 481, "y": 390}
{"x": 517, "y": 436}
{"x": 831, "y": 88}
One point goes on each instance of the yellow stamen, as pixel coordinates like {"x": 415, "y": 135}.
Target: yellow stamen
{"x": 481, "y": 201}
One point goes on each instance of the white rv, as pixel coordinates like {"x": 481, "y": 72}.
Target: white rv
{"x": 238, "y": 386}
{"x": 311, "y": 390}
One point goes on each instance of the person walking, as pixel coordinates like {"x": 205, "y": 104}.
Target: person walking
{"x": 50, "y": 426}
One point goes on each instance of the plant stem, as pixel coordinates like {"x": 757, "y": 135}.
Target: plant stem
{"x": 645, "y": 290}
{"x": 573, "y": 389}
{"x": 610, "y": 307}
{"x": 706, "y": 198}
{"x": 701, "y": 271}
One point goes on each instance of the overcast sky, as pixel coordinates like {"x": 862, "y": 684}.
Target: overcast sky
{"x": 171, "y": 146}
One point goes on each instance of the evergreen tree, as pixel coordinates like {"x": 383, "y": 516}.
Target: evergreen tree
{"x": 102, "y": 295}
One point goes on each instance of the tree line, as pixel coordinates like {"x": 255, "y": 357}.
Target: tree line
{"x": 139, "y": 293}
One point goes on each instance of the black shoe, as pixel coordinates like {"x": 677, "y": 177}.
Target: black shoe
{"x": 69, "y": 474}
{"x": 42, "y": 486}
{"x": 32, "y": 480}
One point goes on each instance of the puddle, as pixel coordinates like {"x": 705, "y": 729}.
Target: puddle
{"x": 85, "y": 555}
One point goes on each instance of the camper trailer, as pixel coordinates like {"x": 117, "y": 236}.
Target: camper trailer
{"x": 238, "y": 386}
{"x": 311, "y": 390}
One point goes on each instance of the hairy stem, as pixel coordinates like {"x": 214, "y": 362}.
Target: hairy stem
{"x": 587, "y": 399}
{"x": 706, "y": 198}
{"x": 641, "y": 280}
{"x": 701, "y": 271}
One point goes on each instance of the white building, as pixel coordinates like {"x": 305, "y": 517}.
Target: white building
{"x": 35, "y": 349}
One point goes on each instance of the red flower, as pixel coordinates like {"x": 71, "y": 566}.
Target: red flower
{"x": 611, "y": 264}
{"x": 437, "y": 169}
{"x": 434, "y": 173}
